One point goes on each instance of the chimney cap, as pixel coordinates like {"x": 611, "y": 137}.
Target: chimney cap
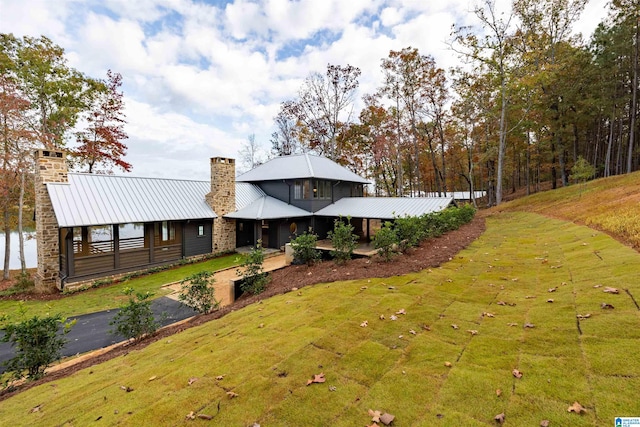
{"x": 223, "y": 160}
{"x": 42, "y": 152}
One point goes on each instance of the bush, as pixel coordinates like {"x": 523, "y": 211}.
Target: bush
{"x": 255, "y": 279}
{"x": 304, "y": 248}
{"x": 410, "y": 231}
{"x": 135, "y": 319}
{"x": 198, "y": 293}
{"x": 37, "y": 345}
{"x": 343, "y": 240}
{"x": 386, "y": 241}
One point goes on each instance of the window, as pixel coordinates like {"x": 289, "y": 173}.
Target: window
{"x": 168, "y": 231}
{"x": 131, "y": 236}
{"x": 200, "y": 230}
{"x": 321, "y": 189}
{"x": 301, "y": 189}
{"x": 357, "y": 190}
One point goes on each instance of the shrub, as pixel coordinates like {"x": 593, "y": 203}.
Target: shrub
{"x": 409, "y": 230}
{"x": 386, "y": 240}
{"x": 304, "y": 248}
{"x": 198, "y": 293}
{"x": 135, "y": 319}
{"x": 342, "y": 239}
{"x": 255, "y": 279}
{"x": 37, "y": 344}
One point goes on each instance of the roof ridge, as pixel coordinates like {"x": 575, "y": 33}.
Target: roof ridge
{"x": 311, "y": 173}
{"x": 134, "y": 177}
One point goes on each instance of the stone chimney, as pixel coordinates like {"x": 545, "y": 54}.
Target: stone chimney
{"x": 222, "y": 200}
{"x": 51, "y": 166}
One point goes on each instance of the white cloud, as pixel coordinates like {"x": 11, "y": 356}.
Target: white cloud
{"x": 199, "y": 77}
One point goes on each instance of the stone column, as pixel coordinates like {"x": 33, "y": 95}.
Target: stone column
{"x": 222, "y": 200}
{"x": 51, "y": 166}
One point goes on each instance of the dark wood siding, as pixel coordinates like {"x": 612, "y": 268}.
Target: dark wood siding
{"x": 94, "y": 264}
{"x": 167, "y": 253}
{"x": 195, "y": 244}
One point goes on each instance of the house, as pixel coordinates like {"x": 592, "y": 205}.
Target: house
{"x": 90, "y": 226}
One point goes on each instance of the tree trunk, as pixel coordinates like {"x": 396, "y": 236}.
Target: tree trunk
{"x": 634, "y": 98}
{"x": 607, "y": 158}
{"x": 502, "y": 137}
{"x": 23, "y": 263}
{"x": 7, "y": 245}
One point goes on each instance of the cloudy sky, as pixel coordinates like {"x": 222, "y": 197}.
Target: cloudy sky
{"x": 200, "y": 76}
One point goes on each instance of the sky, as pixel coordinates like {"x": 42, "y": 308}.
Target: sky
{"x": 200, "y": 76}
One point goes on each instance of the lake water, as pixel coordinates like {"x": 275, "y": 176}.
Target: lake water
{"x": 29, "y": 250}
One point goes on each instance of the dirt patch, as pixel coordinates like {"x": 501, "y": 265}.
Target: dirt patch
{"x": 432, "y": 253}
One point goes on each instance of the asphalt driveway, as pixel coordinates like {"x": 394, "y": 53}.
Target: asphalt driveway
{"x": 92, "y": 331}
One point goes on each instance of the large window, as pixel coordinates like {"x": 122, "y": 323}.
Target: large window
{"x": 131, "y": 236}
{"x": 165, "y": 232}
{"x": 321, "y": 189}
{"x": 302, "y": 189}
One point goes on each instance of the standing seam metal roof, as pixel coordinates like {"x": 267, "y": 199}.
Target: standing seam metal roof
{"x": 89, "y": 199}
{"x": 385, "y": 207}
{"x": 300, "y": 166}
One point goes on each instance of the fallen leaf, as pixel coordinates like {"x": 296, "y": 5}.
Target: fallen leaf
{"x": 498, "y": 392}
{"x": 529, "y": 297}
{"x": 550, "y": 300}
{"x": 232, "y": 394}
{"x": 426, "y": 327}
{"x": 205, "y": 417}
{"x": 516, "y": 373}
{"x": 499, "y": 418}
{"x": 294, "y": 289}
{"x": 261, "y": 325}
{"x": 393, "y": 317}
{"x": 391, "y": 287}
{"x": 472, "y": 331}
{"x": 126, "y": 388}
{"x": 609, "y": 290}
{"x": 387, "y": 419}
{"x": 332, "y": 388}
{"x": 317, "y": 378}
{"x": 529, "y": 325}
{"x": 373, "y": 425}
{"x": 606, "y": 306}
{"x": 512, "y": 324}
{"x": 563, "y": 283}
{"x": 553, "y": 289}
{"x": 153, "y": 378}
{"x": 35, "y": 409}
{"x": 485, "y": 314}
{"x": 364, "y": 324}
{"x": 501, "y": 303}
{"x": 583, "y": 316}
{"x": 382, "y": 317}
{"x": 375, "y": 415}
{"x": 454, "y": 326}
{"x": 401, "y": 311}
{"x": 220, "y": 377}
{"x": 447, "y": 364}
{"x": 577, "y": 408}
{"x": 363, "y": 288}
{"x": 412, "y": 332}
{"x": 192, "y": 380}
{"x": 597, "y": 286}
{"x": 191, "y": 416}
{"x": 400, "y": 336}
{"x": 544, "y": 423}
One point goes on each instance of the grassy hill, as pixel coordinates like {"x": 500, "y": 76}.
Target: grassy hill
{"x": 526, "y": 296}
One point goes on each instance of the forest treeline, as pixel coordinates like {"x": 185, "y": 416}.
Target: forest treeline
{"x": 531, "y": 100}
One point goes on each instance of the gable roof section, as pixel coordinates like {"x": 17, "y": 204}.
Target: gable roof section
{"x": 300, "y": 166}
{"x": 253, "y": 203}
{"x": 90, "y": 199}
{"x": 385, "y": 207}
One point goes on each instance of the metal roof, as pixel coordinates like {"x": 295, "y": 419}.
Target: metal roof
{"x": 90, "y": 199}
{"x": 300, "y": 166}
{"x": 247, "y": 193}
{"x": 459, "y": 195}
{"x": 267, "y": 207}
{"x": 385, "y": 207}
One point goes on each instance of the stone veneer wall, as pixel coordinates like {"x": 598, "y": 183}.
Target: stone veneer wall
{"x": 222, "y": 200}
{"x": 51, "y": 166}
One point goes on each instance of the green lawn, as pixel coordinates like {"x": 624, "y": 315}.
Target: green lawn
{"x": 266, "y": 352}
{"x": 109, "y": 297}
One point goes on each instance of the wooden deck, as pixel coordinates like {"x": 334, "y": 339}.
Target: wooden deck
{"x": 363, "y": 249}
